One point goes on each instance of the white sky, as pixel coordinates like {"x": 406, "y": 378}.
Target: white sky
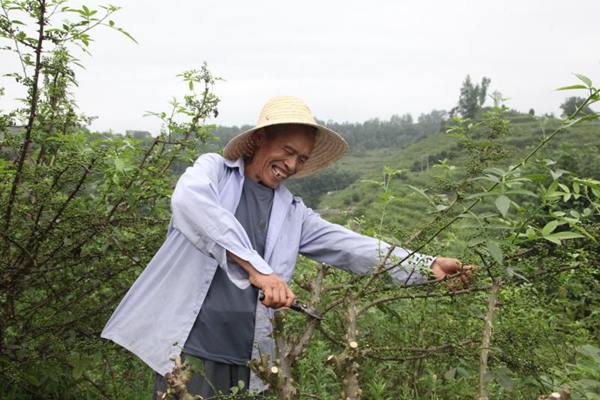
{"x": 349, "y": 60}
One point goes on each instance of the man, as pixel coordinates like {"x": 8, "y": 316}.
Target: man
{"x": 236, "y": 230}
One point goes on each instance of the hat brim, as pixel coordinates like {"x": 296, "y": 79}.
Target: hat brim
{"x": 329, "y": 147}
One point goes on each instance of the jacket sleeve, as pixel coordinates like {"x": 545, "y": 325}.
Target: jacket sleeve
{"x": 333, "y": 244}
{"x": 199, "y": 215}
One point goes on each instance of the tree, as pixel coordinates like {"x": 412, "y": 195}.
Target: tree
{"x": 428, "y": 124}
{"x": 472, "y": 97}
{"x": 80, "y": 212}
{"x": 571, "y": 104}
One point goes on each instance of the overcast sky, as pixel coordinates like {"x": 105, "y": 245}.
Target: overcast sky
{"x": 349, "y": 60}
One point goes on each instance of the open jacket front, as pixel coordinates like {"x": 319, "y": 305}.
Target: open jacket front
{"x": 156, "y": 315}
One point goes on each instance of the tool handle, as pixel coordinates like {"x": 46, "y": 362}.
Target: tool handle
{"x": 296, "y": 305}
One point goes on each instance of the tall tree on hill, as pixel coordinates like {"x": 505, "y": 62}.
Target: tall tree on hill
{"x": 472, "y": 97}
{"x": 571, "y": 104}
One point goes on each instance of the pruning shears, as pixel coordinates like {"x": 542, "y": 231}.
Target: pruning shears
{"x": 300, "y": 307}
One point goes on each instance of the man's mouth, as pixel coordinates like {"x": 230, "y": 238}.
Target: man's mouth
{"x": 279, "y": 174}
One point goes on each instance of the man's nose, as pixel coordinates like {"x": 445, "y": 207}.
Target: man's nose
{"x": 291, "y": 163}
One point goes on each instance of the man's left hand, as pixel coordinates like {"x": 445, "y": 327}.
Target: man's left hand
{"x": 443, "y": 267}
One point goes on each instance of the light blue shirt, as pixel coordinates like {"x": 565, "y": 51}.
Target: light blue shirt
{"x": 156, "y": 315}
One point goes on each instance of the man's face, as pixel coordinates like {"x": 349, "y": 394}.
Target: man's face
{"x": 279, "y": 154}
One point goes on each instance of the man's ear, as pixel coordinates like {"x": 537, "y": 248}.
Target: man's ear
{"x": 258, "y": 137}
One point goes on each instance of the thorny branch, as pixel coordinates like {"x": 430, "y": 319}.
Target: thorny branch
{"x": 487, "y": 338}
{"x": 33, "y": 104}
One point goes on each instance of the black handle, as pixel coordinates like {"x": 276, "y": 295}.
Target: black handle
{"x": 296, "y": 305}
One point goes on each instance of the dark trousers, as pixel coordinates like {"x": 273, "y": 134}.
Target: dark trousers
{"x": 218, "y": 380}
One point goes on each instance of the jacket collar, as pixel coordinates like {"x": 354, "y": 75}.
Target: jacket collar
{"x": 239, "y": 164}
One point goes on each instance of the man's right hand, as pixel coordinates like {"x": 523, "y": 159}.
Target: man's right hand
{"x": 277, "y": 292}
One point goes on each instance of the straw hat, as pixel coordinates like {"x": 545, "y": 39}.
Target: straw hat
{"x": 329, "y": 146}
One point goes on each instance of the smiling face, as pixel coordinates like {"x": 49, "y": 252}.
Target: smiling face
{"x": 281, "y": 151}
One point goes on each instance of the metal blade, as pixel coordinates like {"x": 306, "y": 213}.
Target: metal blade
{"x": 296, "y": 305}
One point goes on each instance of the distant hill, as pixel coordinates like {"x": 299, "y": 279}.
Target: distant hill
{"x": 575, "y": 149}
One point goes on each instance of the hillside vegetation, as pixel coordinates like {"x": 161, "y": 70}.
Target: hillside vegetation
{"x": 425, "y": 162}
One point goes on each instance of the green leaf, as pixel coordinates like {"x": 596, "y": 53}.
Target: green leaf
{"x": 564, "y": 235}
{"x": 572, "y": 87}
{"x": 557, "y": 174}
{"x": 503, "y": 204}
{"x": 33, "y": 380}
{"x": 554, "y": 240}
{"x": 490, "y": 375}
{"x": 195, "y": 363}
{"x": 495, "y": 171}
{"x": 475, "y": 241}
{"x": 127, "y": 34}
{"x": 495, "y": 252}
{"x": 441, "y": 207}
{"x": 585, "y": 80}
{"x": 549, "y": 228}
{"x": 119, "y": 165}
{"x": 450, "y": 374}
{"x": 79, "y": 366}
{"x": 530, "y": 234}
{"x": 505, "y": 381}
{"x": 536, "y": 177}
{"x": 421, "y": 192}
{"x": 575, "y": 214}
